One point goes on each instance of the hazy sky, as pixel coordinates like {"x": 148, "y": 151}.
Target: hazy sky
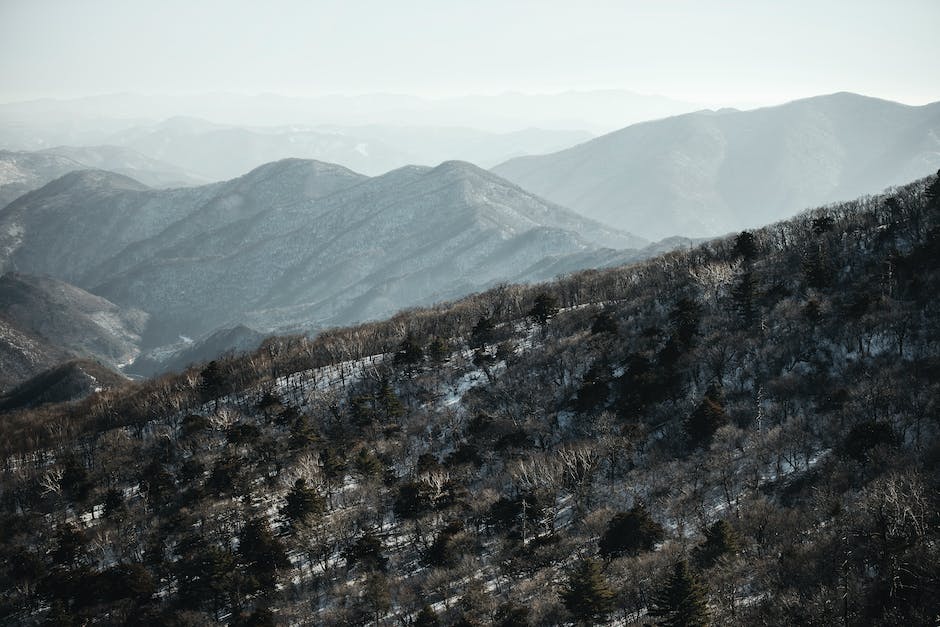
{"x": 705, "y": 51}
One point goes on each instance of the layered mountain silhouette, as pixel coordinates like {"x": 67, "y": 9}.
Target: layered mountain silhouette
{"x": 222, "y": 151}
{"x": 24, "y": 171}
{"x": 44, "y": 321}
{"x": 712, "y": 172}
{"x": 296, "y": 243}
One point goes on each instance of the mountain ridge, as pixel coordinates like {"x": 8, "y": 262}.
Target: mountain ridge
{"x": 709, "y": 173}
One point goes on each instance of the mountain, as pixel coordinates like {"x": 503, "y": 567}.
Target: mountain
{"x": 69, "y": 381}
{"x": 122, "y": 160}
{"x": 23, "y": 171}
{"x": 713, "y": 172}
{"x": 292, "y": 243}
{"x": 744, "y": 433}
{"x": 40, "y": 123}
{"x": 221, "y": 151}
{"x": 44, "y": 321}
{"x": 179, "y": 356}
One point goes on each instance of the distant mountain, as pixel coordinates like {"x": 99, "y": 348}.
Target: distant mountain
{"x": 293, "y": 242}
{"x": 69, "y": 381}
{"x": 176, "y": 357}
{"x": 709, "y": 173}
{"x": 87, "y": 120}
{"x": 129, "y": 162}
{"x": 221, "y": 152}
{"x": 44, "y": 321}
{"x": 23, "y": 171}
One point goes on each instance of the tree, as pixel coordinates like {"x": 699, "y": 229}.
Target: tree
{"x": 630, "y": 532}
{"x": 932, "y": 193}
{"x": 212, "y": 382}
{"x": 745, "y": 246}
{"x": 707, "y": 418}
{"x": 720, "y": 539}
{"x": 545, "y": 307}
{"x": 366, "y": 550}
{"x": 482, "y": 333}
{"x": 262, "y": 553}
{"x": 587, "y": 595}
{"x": 681, "y": 600}
{"x": 409, "y": 351}
{"x": 301, "y": 501}
{"x": 427, "y": 617}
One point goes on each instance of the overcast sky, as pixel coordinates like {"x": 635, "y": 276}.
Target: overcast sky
{"x": 710, "y": 52}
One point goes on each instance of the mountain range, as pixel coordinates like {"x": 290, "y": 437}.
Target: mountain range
{"x": 712, "y": 172}
{"x": 296, "y": 244}
{"x": 220, "y": 151}
{"x": 24, "y": 171}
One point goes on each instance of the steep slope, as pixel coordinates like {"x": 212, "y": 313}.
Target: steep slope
{"x": 743, "y": 433}
{"x": 78, "y": 322}
{"x": 69, "y": 381}
{"x": 24, "y": 355}
{"x": 709, "y": 173}
{"x": 412, "y": 236}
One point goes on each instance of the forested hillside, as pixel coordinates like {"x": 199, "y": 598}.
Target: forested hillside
{"x": 741, "y": 433}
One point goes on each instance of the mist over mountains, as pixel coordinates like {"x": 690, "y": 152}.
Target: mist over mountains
{"x": 714, "y": 172}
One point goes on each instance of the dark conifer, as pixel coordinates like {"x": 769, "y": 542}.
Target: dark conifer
{"x": 681, "y": 600}
{"x": 587, "y": 595}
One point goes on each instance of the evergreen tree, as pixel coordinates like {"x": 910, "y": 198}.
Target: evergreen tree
{"x": 389, "y": 402}
{"x": 545, "y": 307}
{"x": 745, "y": 246}
{"x": 587, "y": 595}
{"x": 720, "y": 539}
{"x": 706, "y": 419}
{"x": 630, "y": 532}
{"x": 743, "y": 295}
{"x": 301, "y": 501}
{"x": 262, "y": 553}
{"x": 933, "y": 193}
{"x": 212, "y": 382}
{"x": 681, "y": 600}
{"x": 439, "y": 349}
{"x": 482, "y": 333}
{"x": 409, "y": 351}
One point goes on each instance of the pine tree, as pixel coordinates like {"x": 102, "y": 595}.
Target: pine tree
{"x": 745, "y": 246}
{"x": 630, "y": 532}
{"x": 301, "y": 502}
{"x": 681, "y": 601}
{"x": 720, "y": 539}
{"x": 545, "y": 307}
{"x": 482, "y": 333}
{"x": 587, "y": 594}
{"x": 262, "y": 553}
